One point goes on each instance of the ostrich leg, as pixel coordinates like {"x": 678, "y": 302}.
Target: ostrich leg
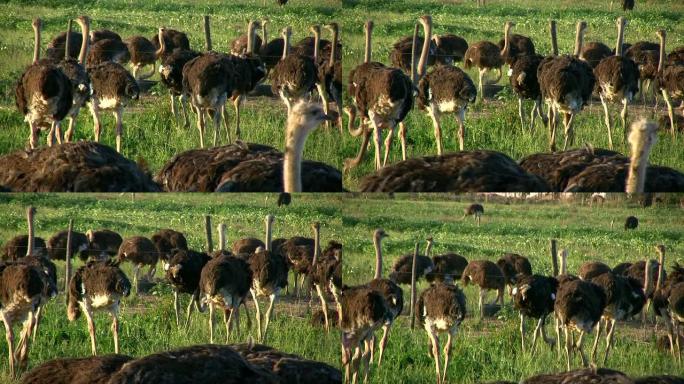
{"x": 623, "y": 118}
{"x": 118, "y": 116}
{"x": 447, "y": 354}
{"x": 520, "y": 112}
{"x": 211, "y": 323}
{"x": 324, "y": 306}
{"x": 402, "y": 139}
{"x": 569, "y": 132}
{"x": 481, "y": 72}
{"x": 460, "y": 117}
{"x": 522, "y": 332}
{"x": 434, "y": 114}
{"x": 388, "y": 142}
{"x": 597, "y": 339}
{"x": 269, "y": 312}
{"x": 97, "y": 125}
{"x": 9, "y": 335}
{"x": 70, "y": 131}
{"x": 216, "y": 118}
{"x": 609, "y": 339}
{"x": 258, "y": 313}
{"x": 237, "y": 104}
{"x": 51, "y": 134}
{"x": 115, "y": 329}
{"x": 376, "y": 143}
{"x": 91, "y": 329}
{"x": 184, "y": 106}
{"x": 200, "y": 125}
{"x": 383, "y": 342}
{"x": 174, "y": 112}
{"x": 607, "y": 121}
{"x": 435, "y": 353}
{"x": 552, "y": 128}
{"x": 176, "y": 308}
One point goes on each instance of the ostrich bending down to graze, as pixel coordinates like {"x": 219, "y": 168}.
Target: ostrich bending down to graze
{"x": 441, "y": 308}
{"x": 113, "y": 90}
{"x": 142, "y": 53}
{"x": 475, "y": 210}
{"x": 450, "y": 48}
{"x": 167, "y": 241}
{"x": 81, "y": 370}
{"x": 43, "y": 94}
{"x": 103, "y": 243}
{"x": 401, "y": 270}
{"x": 362, "y": 310}
{"x": 618, "y": 80}
{"x": 486, "y": 56}
{"x": 487, "y": 276}
{"x": 140, "y": 251}
{"x": 514, "y": 267}
{"x": 57, "y": 245}
{"x": 98, "y": 285}
{"x": 631, "y": 222}
{"x": 269, "y": 277}
{"x": 534, "y": 296}
{"x": 183, "y": 271}
{"x": 294, "y": 76}
{"x": 670, "y": 80}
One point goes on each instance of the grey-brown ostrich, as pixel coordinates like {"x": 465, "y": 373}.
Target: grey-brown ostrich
{"x": 519, "y": 46}
{"x": 142, "y": 53}
{"x": 113, "y": 89}
{"x": 362, "y": 311}
{"x": 402, "y": 267}
{"x": 269, "y": 277}
{"x": 167, "y": 241}
{"x": 485, "y": 56}
{"x": 98, "y": 285}
{"x": 631, "y": 222}
{"x": 139, "y": 251}
{"x": 487, "y": 276}
{"x": 441, "y": 308}
{"x": 171, "y": 74}
{"x": 240, "y": 45}
{"x": 57, "y": 245}
{"x": 43, "y": 94}
{"x": 514, "y": 267}
{"x": 76, "y": 370}
{"x": 670, "y": 80}
{"x": 475, "y": 210}
{"x": 294, "y": 76}
{"x": 534, "y": 296}
{"x": 103, "y": 243}
{"x": 389, "y": 290}
{"x": 617, "y": 78}
{"x": 183, "y": 271}
{"x": 451, "y": 48}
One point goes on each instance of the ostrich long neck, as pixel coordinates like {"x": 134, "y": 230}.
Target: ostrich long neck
{"x": 647, "y": 277}
{"x": 268, "y": 234}
{"x": 428, "y": 249}
{"x": 286, "y": 44}
{"x": 294, "y": 149}
{"x": 31, "y": 238}
{"x": 661, "y": 263}
{"x": 367, "y": 47}
{"x": 85, "y": 41}
{"x": 162, "y": 43}
{"x": 414, "y": 56}
{"x": 333, "y": 49}
{"x": 579, "y": 37}
{"x": 378, "y": 257}
{"x": 554, "y": 38}
{"x": 427, "y": 33}
{"x": 620, "y": 38}
{"x": 222, "y": 236}
{"x": 507, "y": 33}
{"x": 207, "y": 34}
{"x": 263, "y": 32}
{"x": 36, "y": 42}
{"x": 67, "y": 41}
{"x": 317, "y": 244}
{"x": 661, "y": 56}
{"x": 250, "y": 37}
{"x": 350, "y": 123}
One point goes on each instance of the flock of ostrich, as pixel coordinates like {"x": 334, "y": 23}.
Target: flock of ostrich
{"x": 86, "y": 69}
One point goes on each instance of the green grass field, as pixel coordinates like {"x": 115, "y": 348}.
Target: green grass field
{"x": 150, "y": 132}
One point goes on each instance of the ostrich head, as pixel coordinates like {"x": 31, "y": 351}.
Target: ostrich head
{"x": 316, "y": 226}
{"x": 660, "y": 248}
{"x": 380, "y": 234}
{"x": 269, "y": 219}
{"x": 315, "y": 29}
{"x": 661, "y": 33}
{"x": 332, "y": 27}
{"x": 37, "y": 23}
{"x": 307, "y": 116}
{"x": 368, "y": 26}
{"x": 641, "y": 138}
{"x": 83, "y": 20}
{"x": 286, "y": 32}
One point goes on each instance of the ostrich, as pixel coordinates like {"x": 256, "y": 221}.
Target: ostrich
{"x": 475, "y": 210}
{"x": 58, "y": 50}
{"x": 113, "y": 90}
{"x": 326, "y": 273}
{"x": 566, "y": 84}
{"x": 487, "y": 276}
{"x": 43, "y": 94}
{"x": 448, "y": 268}
{"x": 441, "y": 308}
{"x": 666, "y": 300}
{"x": 271, "y": 51}
{"x": 140, "y": 251}
{"x": 103, "y": 243}
{"x": 183, "y": 271}
{"x": 98, "y": 285}
{"x": 401, "y": 270}
{"x": 18, "y": 247}
{"x": 362, "y": 310}
{"x": 467, "y": 171}
{"x": 631, "y": 222}
{"x": 645, "y": 55}
{"x": 624, "y": 298}
{"x": 294, "y": 76}
{"x": 330, "y": 75}
{"x": 269, "y": 277}
{"x": 169, "y": 41}
{"x": 519, "y": 46}
{"x": 578, "y": 307}
{"x": 104, "y": 34}
{"x": 247, "y": 246}
{"x": 166, "y": 241}
{"x": 534, "y": 296}
{"x": 240, "y": 45}
{"x": 514, "y": 267}
{"x": 486, "y": 56}
{"x": 524, "y": 81}
{"x": 401, "y": 55}
{"x": 592, "y": 52}
{"x": 450, "y": 48}
{"x": 108, "y": 50}
{"x": 300, "y": 252}
{"x": 93, "y": 370}
{"x": 670, "y": 80}
{"x": 587, "y": 375}
{"x": 142, "y": 53}
{"x": 676, "y": 308}
{"x": 57, "y": 245}
{"x": 661, "y": 379}
{"x": 618, "y": 80}
{"x": 592, "y": 269}
{"x": 171, "y": 74}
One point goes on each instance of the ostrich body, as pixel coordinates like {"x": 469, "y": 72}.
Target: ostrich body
{"x": 108, "y": 50}
{"x": 104, "y": 34}
{"x": 140, "y": 251}
{"x": 618, "y": 80}
{"x": 57, "y": 245}
{"x": 269, "y": 277}
{"x": 294, "y": 76}
{"x": 247, "y": 246}
{"x": 171, "y": 40}
{"x": 487, "y": 276}
{"x": 113, "y": 90}
{"x": 98, "y": 285}
{"x": 240, "y": 45}
{"x": 271, "y": 51}
{"x": 171, "y": 74}
{"x": 142, "y": 53}
{"x": 56, "y": 48}
{"x": 514, "y": 267}
{"x": 534, "y": 296}
{"x": 485, "y": 56}
{"x": 166, "y": 241}
{"x": 18, "y": 247}
{"x": 645, "y": 55}
{"x": 631, "y": 222}
{"x": 104, "y": 243}
{"x": 664, "y": 303}
{"x": 582, "y": 376}
{"x": 450, "y": 48}
{"x": 441, "y": 308}
{"x": 82, "y": 370}
{"x": 519, "y": 46}
{"x": 401, "y": 54}
{"x": 183, "y": 271}
{"x": 475, "y": 210}
{"x": 467, "y": 171}
{"x": 402, "y": 268}
{"x": 592, "y": 269}
{"x": 670, "y": 80}
{"x": 448, "y": 268}
{"x": 300, "y": 252}
{"x": 43, "y": 94}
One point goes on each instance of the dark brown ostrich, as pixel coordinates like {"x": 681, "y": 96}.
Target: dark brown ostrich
{"x": 326, "y": 274}
{"x": 318, "y": 318}
{"x": 17, "y": 247}
{"x": 402, "y": 267}
{"x": 108, "y": 50}
{"x": 450, "y": 48}
{"x": 664, "y": 303}
{"x": 240, "y": 45}
{"x": 247, "y": 246}
{"x": 43, "y": 94}
{"x": 514, "y": 267}
{"x": 330, "y": 75}
{"x": 578, "y": 307}
{"x": 139, "y": 251}
{"x": 475, "y": 210}
{"x": 142, "y": 53}
{"x": 581, "y": 376}
{"x": 645, "y": 55}
{"x": 676, "y": 308}
{"x": 401, "y": 54}
{"x": 487, "y": 276}
{"x": 448, "y": 268}
{"x": 294, "y": 77}
{"x": 271, "y": 51}
{"x": 534, "y": 296}
{"x": 197, "y": 363}
{"x": 631, "y": 222}
{"x": 662, "y": 379}
{"x": 592, "y": 269}
{"x": 171, "y": 40}
{"x": 592, "y": 52}
{"x": 81, "y": 370}
{"x": 676, "y": 57}
{"x": 519, "y": 46}
{"x": 468, "y": 171}
{"x": 73, "y": 167}
{"x": 441, "y": 308}
{"x": 269, "y": 277}
{"x": 183, "y": 271}
{"x": 104, "y": 34}
{"x": 167, "y": 241}
{"x": 363, "y": 310}
{"x": 56, "y": 48}
{"x": 57, "y": 245}
{"x": 485, "y": 56}
{"x": 103, "y": 243}
{"x": 98, "y": 285}
{"x": 670, "y": 80}
{"x": 617, "y": 78}
{"x": 113, "y": 89}
{"x": 299, "y": 252}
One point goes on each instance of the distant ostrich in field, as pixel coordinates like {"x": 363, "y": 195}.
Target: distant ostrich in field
{"x": 631, "y": 222}
{"x": 113, "y": 90}
{"x": 103, "y": 243}
{"x": 167, "y": 241}
{"x": 487, "y": 276}
{"x": 401, "y": 54}
{"x": 294, "y": 76}
{"x": 441, "y": 308}
{"x": 139, "y": 251}
{"x": 401, "y": 270}
{"x": 142, "y": 53}
{"x": 618, "y": 80}
{"x": 514, "y": 267}
{"x": 92, "y": 370}
{"x": 170, "y": 40}
{"x": 43, "y": 94}
{"x": 362, "y": 310}
{"x": 450, "y": 48}
{"x": 57, "y": 245}
{"x": 475, "y": 210}
{"x": 670, "y": 80}
{"x": 58, "y": 50}
{"x": 534, "y": 296}
{"x": 486, "y": 56}
{"x": 592, "y": 269}
{"x": 240, "y": 45}
{"x": 269, "y": 277}
{"x": 519, "y": 46}
{"x": 98, "y": 285}
{"x": 183, "y": 271}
